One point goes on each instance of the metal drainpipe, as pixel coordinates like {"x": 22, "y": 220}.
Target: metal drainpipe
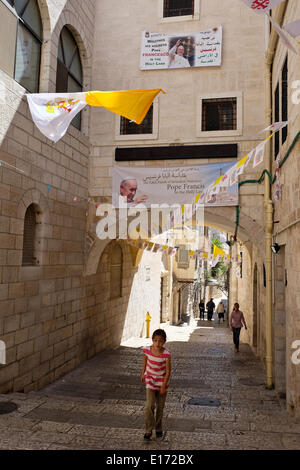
{"x": 268, "y": 207}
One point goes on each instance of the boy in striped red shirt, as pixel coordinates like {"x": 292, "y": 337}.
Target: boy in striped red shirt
{"x": 155, "y": 374}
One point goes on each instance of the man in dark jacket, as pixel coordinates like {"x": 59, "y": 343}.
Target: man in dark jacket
{"x": 210, "y": 306}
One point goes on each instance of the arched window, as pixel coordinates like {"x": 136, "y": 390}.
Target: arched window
{"x": 116, "y": 271}
{"x": 29, "y": 237}
{"x": 29, "y": 44}
{"x": 69, "y": 68}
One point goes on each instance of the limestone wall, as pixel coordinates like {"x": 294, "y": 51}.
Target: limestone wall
{"x": 45, "y": 310}
{"x": 286, "y": 300}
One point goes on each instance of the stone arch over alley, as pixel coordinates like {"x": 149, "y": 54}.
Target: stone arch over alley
{"x": 248, "y": 234}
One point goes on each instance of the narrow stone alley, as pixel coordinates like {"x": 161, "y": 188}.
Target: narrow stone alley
{"x": 100, "y": 404}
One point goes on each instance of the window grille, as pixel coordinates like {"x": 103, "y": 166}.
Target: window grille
{"x": 29, "y": 237}
{"x": 29, "y": 44}
{"x": 116, "y": 272}
{"x": 69, "y": 77}
{"x": 219, "y": 114}
{"x": 128, "y": 127}
{"x": 178, "y": 8}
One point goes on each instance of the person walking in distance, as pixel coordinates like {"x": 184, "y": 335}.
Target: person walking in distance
{"x": 155, "y": 374}
{"x": 236, "y": 323}
{"x": 210, "y": 309}
{"x": 201, "y": 309}
{"x": 220, "y": 311}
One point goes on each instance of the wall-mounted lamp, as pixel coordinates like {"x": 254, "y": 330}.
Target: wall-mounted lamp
{"x": 275, "y": 248}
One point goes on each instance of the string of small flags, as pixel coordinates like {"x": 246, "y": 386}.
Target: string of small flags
{"x": 256, "y": 155}
{"x": 212, "y": 258}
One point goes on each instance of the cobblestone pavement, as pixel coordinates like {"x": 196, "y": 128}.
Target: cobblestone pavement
{"x": 100, "y": 404}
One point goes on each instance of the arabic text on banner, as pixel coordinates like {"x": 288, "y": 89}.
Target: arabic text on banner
{"x": 169, "y": 51}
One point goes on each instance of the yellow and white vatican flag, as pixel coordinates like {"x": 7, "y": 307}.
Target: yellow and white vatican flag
{"x": 241, "y": 165}
{"x": 261, "y": 6}
{"x": 52, "y": 113}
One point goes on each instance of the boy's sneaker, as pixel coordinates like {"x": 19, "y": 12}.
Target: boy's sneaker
{"x": 159, "y": 434}
{"x": 147, "y": 436}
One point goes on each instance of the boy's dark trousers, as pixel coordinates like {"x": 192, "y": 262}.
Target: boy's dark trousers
{"x": 236, "y": 337}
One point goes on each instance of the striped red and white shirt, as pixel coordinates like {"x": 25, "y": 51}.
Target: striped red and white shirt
{"x": 155, "y": 368}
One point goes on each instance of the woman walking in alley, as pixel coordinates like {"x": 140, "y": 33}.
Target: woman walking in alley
{"x": 236, "y": 323}
{"x": 156, "y": 373}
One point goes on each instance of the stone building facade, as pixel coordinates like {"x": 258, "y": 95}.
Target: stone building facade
{"x": 53, "y": 315}
{"x": 282, "y": 73}
{"x": 286, "y": 300}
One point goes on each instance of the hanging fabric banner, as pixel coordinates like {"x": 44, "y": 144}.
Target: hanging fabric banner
{"x": 278, "y": 189}
{"x": 261, "y": 6}
{"x": 52, "y": 113}
{"x": 150, "y": 186}
{"x": 168, "y": 51}
{"x": 259, "y": 154}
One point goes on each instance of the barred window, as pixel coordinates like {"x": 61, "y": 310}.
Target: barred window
{"x": 276, "y": 119}
{"x": 29, "y": 237}
{"x": 284, "y": 99}
{"x": 178, "y": 8}
{"x": 29, "y": 44}
{"x": 69, "y": 68}
{"x": 241, "y": 265}
{"x": 116, "y": 272}
{"x": 183, "y": 258}
{"x": 219, "y": 114}
{"x": 128, "y": 127}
